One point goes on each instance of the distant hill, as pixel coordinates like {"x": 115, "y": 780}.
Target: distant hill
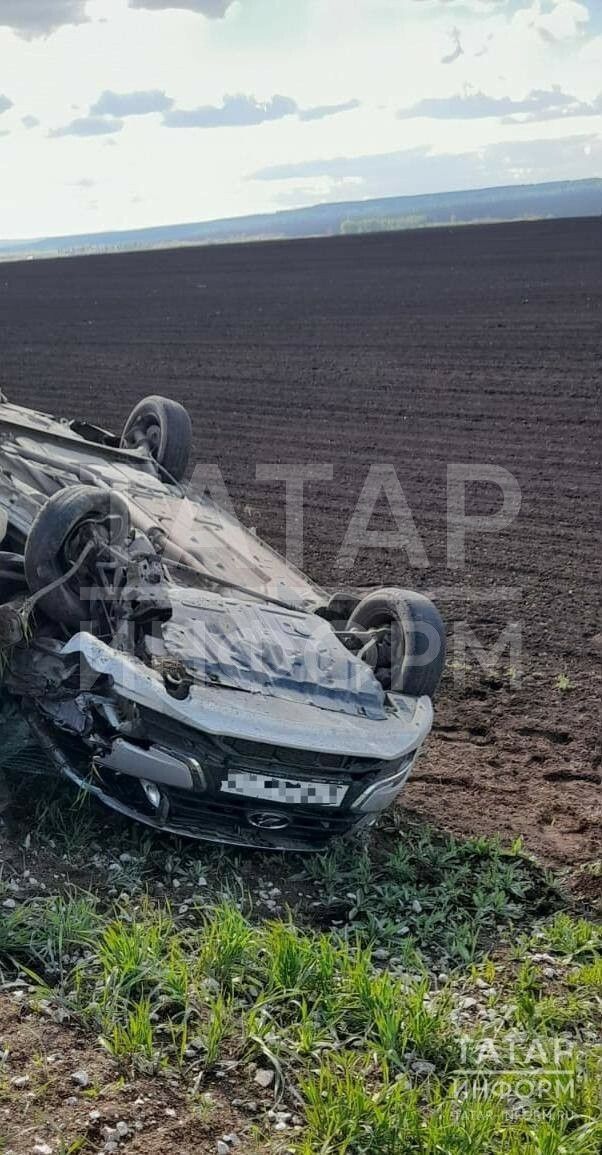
{"x": 578, "y": 198}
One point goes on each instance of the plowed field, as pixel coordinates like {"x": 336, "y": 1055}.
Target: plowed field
{"x": 420, "y": 350}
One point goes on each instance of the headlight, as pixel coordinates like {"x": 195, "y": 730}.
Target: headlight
{"x": 385, "y": 789}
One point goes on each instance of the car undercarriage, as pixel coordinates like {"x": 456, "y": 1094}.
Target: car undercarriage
{"x": 175, "y": 666}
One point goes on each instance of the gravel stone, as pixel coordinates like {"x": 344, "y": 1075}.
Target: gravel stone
{"x": 422, "y": 1067}
{"x": 264, "y": 1077}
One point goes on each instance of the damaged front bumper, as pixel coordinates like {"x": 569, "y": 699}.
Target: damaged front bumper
{"x": 240, "y": 807}
{"x": 234, "y": 768}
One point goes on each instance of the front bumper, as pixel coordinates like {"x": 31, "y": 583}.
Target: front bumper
{"x": 180, "y": 782}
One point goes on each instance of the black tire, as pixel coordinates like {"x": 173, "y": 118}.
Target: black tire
{"x": 414, "y": 663}
{"x": 163, "y": 427}
{"x": 12, "y": 575}
{"x": 51, "y": 537}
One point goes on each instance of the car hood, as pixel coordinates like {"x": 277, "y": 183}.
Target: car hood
{"x": 263, "y": 649}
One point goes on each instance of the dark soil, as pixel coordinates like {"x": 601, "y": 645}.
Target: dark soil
{"x": 467, "y": 345}
{"x": 42, "y": 1102}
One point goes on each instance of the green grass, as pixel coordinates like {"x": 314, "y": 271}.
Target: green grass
{"x": 377, "y": 1055}
{"x": 438, "y": 895}
{"x": 570, "y": 937}
{"x": 388, "y": 973}
{"x": 68, "y": 924}
{"x": 133, "y": 1037}
{"x": 588, "y": 976}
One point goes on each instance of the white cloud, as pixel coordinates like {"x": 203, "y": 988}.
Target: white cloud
{"x": 234, "y": 111}
{"x": 471, "y": 5}
{"x": 30, "y": 18}
{"x": 131, "y": 103}
{"x": 456, "y": 49}
{"x": 539, "y": 104}
{"x": 321, "y": 111}
{"x": 214, "y": 9}
{"x": 240, "y": 111}
{"x": 88, "y": 126}
{"x": 5, "y": 103}
{"x": 89, "y": 83}
{"x": 556, "y": 20}
{"x": 411, "y": 170}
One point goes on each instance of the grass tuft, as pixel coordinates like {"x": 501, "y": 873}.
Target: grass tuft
{"x": 369, "y": 1004}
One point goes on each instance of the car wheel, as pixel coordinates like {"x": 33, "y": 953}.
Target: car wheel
{"x": 409, "y": 654}
{"x": 163, "y": 428}
{"x": 72, "y": 521}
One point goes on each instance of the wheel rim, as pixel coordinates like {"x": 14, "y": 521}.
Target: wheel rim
{"x": 386, "y": 654}
{"x": 97, "y": 574}
{"x": 145, "y": 433}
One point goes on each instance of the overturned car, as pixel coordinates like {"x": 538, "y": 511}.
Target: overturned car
{"x": 179, "y": 669}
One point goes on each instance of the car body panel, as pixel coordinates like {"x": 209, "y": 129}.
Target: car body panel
{"x": 225, "y": 705}
{"x": 234, "y": 713}
{"x": 265, "y": 649}
{"x": 39, "y": 455}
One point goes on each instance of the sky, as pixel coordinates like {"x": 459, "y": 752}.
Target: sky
{"x": 119, "y": 114}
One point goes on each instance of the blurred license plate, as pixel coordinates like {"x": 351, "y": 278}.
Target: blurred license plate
{"x": 249, "y": 785}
